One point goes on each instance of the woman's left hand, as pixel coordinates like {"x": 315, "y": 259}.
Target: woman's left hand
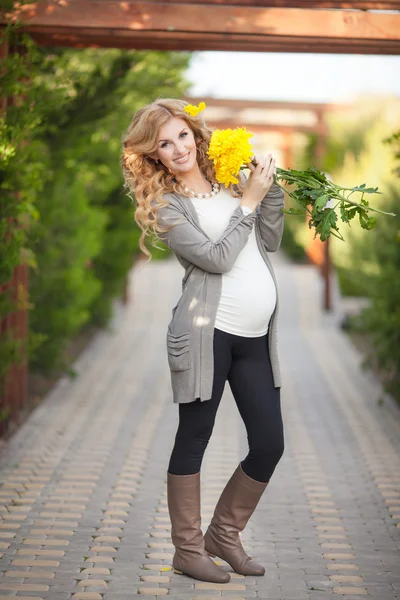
{"x": 262, "y": 175}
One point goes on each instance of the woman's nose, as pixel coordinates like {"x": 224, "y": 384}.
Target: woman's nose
{"x": 179, "y": 149}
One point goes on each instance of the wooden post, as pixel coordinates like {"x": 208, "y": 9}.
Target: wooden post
{"x": 327, "y": 275}
{"x": 288, "y": 150}
{"x": 326, "y": 269}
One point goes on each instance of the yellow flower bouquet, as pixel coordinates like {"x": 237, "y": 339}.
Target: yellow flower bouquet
{"x": 230, "y": 150}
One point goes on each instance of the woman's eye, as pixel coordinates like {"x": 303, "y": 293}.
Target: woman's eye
{"x": 165, "y": 144}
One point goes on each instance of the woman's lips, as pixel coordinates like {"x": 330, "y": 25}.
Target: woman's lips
{"x": 183, "y": 159}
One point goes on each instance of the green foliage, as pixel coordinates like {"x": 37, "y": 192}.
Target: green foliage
{"x": 22, "y": 166}
{"x": 87, "y": 238}
{"x": 62, "y": 286}
{"x": 368, "y": 264}
{"x": 352, "y": 282}
{"x": 10, "y": 353}
{"x": 375, "y": 163}
{"x": 346, "y": 139}
{"x": 111, "y": 265}
{"x": 314, "y": 191}
{"x": 394, "y": 140}
{"x": 382, "y": 317}
{"x": 290, "y": 245}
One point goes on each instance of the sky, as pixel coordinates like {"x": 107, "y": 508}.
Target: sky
{"x": 293, "y": 77}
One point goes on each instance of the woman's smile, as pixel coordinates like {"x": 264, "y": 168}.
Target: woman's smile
{"x": 183, "y": 159}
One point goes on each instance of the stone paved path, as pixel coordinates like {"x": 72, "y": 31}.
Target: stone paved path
{"x": 83, "y": 497}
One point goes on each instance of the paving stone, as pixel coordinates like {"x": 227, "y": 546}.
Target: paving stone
{"x": 24, "y": 587}
{"x": 232, "y": 587}
{"x": 337, "y": 555}
{"x": 154, "y": 567}
{"x": 96, "y": 571}
{"x": 45, "y": 542}
{"x": 27, "y": 562}
{"x": 51, "y": 532}
{"x": 87, "y": 596}
{"x": 342, "y": 567}
{"x": 33, "y": 552}
{"x": 160, "y": 555}
{"x": 53, "y": 522}
{"x": 92, "y": 583}
{"x": 25, "y": 597}
{"x": 349, "y": 591}
{"x": 30, "y": 574}
{"x": 100, "y": 559}
{"x": 336, "y": 546}
{"x": 153, "y": 591}
{"x": 60, "y": 515}
{"x": 346, "y": 578}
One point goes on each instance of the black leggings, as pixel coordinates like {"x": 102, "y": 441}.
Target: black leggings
{"x": 246, "y": 364}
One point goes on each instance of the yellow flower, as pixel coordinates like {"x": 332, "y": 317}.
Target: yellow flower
{"x": 193, "y": 110}
{"x": 229, "y": 149}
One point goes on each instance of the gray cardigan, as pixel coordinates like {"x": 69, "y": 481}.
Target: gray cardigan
{"x": 191, "y": 329}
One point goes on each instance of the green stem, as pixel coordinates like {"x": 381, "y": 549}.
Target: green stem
{"x": 341, "y": 198}
{"x": 382, "y": 212}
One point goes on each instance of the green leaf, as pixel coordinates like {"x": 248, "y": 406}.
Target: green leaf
{"x": 328, "y": 221}
{"x": 366, "y": 221}
{"x": 321, "y": 202}
{"x": 347, "y": 214}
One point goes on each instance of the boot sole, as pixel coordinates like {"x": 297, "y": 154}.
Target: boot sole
{"x": 177, "y": 572}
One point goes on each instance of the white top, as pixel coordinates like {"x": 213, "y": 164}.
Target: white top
{"x": 248, "y": 295}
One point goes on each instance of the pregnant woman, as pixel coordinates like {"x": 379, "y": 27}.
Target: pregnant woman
{"x": 223, "y": 327}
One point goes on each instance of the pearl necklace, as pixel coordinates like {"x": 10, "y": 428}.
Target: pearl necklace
{"x": 214, "y": 192}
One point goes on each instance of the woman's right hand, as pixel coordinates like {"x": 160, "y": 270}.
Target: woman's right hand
{"x": 259, "y": 182}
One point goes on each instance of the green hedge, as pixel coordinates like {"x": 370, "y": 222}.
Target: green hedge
{"x": 382, "y": 318}
{"x": 63, "y": 209}
{"x": 86, "y": 239}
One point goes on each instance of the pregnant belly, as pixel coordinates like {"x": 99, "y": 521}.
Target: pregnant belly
{"x": 248, "y": 299}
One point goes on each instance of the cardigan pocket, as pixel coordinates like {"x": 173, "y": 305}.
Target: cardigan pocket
{"x": 178, "y": 349}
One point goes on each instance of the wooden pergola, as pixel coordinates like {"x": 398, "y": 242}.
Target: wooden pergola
{"x": 338, "y": 26}
{"x": 315, "y": 26}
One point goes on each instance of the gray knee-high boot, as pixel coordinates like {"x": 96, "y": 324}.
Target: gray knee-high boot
{"x": 184, "y": 509}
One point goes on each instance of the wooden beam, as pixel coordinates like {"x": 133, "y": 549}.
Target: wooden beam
{"x": 348, "y": 4}
{"x": 265, "y": 127}
{"x": 318, "y": 107}
{"x": 114, "y": 38}
{"x": 215, "y": 19}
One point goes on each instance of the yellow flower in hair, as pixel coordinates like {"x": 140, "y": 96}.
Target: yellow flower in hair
{"x": 229, "y": 150}
{"x": 193, "y": 110}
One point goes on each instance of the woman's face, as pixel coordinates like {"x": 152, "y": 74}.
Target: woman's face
{"x": 176, "y": 146}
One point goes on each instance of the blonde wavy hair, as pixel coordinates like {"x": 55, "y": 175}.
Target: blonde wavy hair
{"x": 147, "y": 180}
